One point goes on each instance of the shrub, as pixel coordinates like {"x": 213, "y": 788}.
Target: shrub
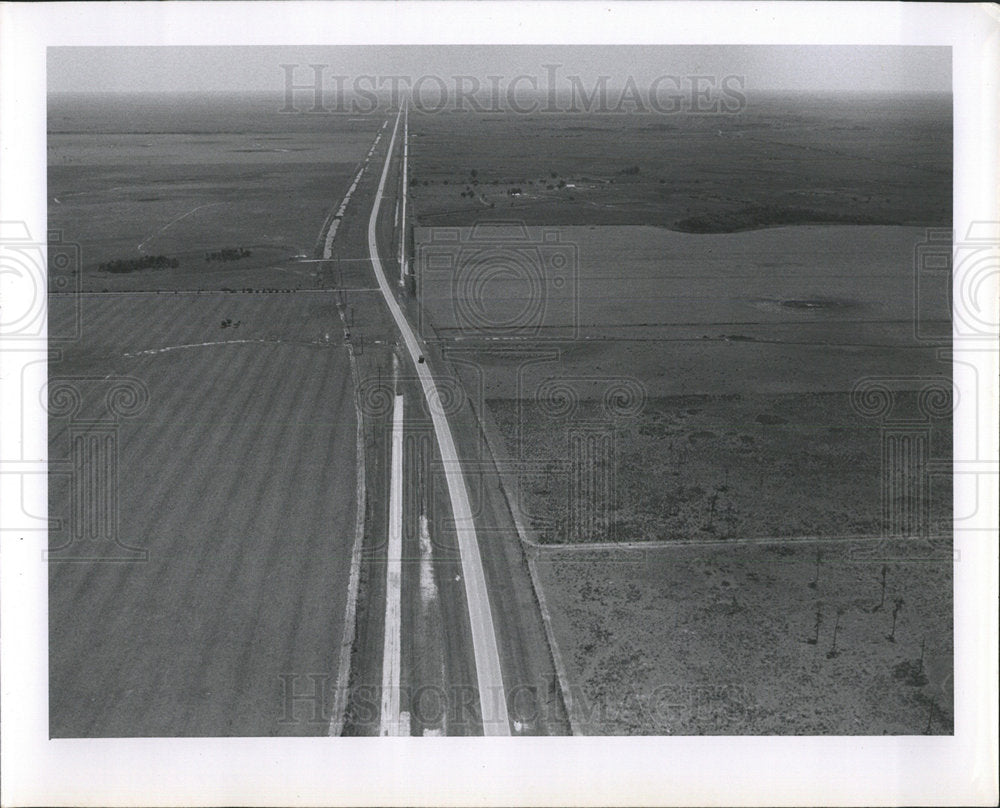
{"x": 123, "y": 265}
{"x": 228, "y": 254}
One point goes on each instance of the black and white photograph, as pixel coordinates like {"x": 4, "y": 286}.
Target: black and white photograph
{"x": 406, "y": 389}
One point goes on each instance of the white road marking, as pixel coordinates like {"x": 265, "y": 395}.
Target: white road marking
{"x": 492, "y": 697}
{"x": 390, "y": 723}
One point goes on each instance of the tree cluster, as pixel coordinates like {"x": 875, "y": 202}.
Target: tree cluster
{"x": 228, "y": 254}
{"x": 122, "y": 265}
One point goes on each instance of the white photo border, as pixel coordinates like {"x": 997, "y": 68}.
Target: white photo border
{"x": 960, "y": 769}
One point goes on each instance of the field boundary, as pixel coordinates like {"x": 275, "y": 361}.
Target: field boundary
{"x": 503, "y": 465}
{"x": 339, "y": 714}
{"x": 667, "y": 544}
{"x": 328, "y": 231}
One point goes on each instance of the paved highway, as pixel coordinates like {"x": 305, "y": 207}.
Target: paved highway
{"x": 472, "y": 636}
{"x": 233, "y": 479}
{"x": 492, "y": 696}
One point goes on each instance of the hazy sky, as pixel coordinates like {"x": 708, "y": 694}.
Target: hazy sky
{"x": 766, "y": 67}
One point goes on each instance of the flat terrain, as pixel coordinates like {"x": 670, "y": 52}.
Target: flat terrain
{"x": 718, "y": 367}
{"x": 214, "y": 176}
{"x": 222, "y": 612}
{"x": 203, "y": 581}
{"x": 236, "y": 480}
{"x": 780, "y": 160}
{"x": 666, "y": 317}
{"x": 716, "y": 640}
{"x": 439, "y": 683}
{"x": 666, "y": 338}
{"x": 711, "y": 467}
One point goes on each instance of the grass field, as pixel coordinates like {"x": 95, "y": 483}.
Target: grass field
{"x": 712, "y": 467}
{"x": 781, "y": 160}
{"x": 715, "y": 640}
{"x": 184, "y": 211}
{"x": 719, "y": 367}
{"x": 684, "y": 373}
{"x": 231, "y": 472}
{"x": 788, "y": 309}
{"x": 237, "y": 480}
{"x": 126, "y": 181}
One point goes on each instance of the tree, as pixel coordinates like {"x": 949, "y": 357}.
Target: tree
{"x": 819, "y": 558}
{"x": 712, "y": 502}
{"x": 816, "y": 624}
{"x": 881, "y": 603}
{"x": 897, "y": 606}
{"x": 931, "y": 707}
{"x": 833, "y": 652}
